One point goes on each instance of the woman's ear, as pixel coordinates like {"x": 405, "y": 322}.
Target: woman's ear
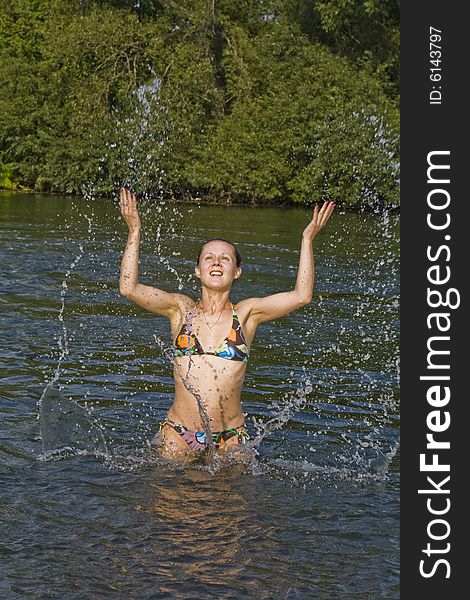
{"x": 197, "y": 270}
{"x": 238, "y": 272}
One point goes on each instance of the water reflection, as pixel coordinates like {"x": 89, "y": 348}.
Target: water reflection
{"x": 203, "y": 526}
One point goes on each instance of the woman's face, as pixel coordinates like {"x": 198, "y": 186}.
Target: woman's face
{"x": 217, "y": 266}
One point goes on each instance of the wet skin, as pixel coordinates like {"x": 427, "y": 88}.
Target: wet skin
{"x": 216, "y": 382}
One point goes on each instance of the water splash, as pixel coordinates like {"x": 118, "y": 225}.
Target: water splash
{"x": 138, "y": 135}
{"x": 292, "y": 403}
{"x": 62, "y": 343}
{"x": 351, "y": 451}
{"x": 67, "y": 429}
{"x": 139, "y": 145}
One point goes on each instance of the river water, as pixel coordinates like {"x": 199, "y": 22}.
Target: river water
{"x": 87, "y": 510}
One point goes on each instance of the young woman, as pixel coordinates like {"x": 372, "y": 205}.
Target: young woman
{"x": 212, "y": 337}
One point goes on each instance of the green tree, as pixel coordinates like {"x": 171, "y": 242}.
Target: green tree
{"x": 249, "y": 101}
{"x": 365, "y": 31}
{"x": 302, "y": 123}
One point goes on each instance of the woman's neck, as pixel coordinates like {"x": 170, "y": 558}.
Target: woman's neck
{"x": 214, "y": 302}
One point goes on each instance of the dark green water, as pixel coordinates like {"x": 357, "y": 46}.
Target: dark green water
{"x": 315, "y": 517}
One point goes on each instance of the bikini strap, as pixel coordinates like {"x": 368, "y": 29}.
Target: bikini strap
{"x": 181, "y": 429}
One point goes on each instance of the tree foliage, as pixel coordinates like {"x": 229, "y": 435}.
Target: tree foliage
{"x": 271, "y": 101}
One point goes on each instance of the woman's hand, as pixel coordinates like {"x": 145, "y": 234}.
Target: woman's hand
{"x": 319, "y": 220}
{"x": 128, "y": 205}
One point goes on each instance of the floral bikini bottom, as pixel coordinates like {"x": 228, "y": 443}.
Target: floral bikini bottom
{"x": 197, "y": 440}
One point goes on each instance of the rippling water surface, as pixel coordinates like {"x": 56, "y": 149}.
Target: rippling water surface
{"x": 87, "y": 511}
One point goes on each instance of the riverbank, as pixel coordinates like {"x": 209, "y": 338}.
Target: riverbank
{"x": 217, "y": 200}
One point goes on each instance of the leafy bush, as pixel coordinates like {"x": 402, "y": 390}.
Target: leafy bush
{"x": 228, "y": 100}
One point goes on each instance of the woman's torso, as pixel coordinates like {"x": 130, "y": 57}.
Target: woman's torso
{"x": 208, "y": 379}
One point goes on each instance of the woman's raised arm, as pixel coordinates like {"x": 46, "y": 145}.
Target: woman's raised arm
{"x": 148, "y": 297}
{"x": 278, "y": 305}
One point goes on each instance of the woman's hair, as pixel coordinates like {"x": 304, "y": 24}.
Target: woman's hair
{"x": 238, "y": 258}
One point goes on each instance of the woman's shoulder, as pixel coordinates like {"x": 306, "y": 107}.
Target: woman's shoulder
{"x": 246, "y": 302}
{"x": 185, "y": 305}
{"x": 243, "y": 307}
{"x": 184, "y": 301}
{"x": 243, "y": 310}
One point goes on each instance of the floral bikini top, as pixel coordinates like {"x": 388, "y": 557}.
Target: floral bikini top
{"x": 233, "y": 347}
